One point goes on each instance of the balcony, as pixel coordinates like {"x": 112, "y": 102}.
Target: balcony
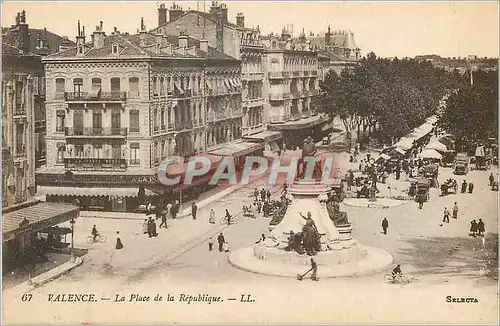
{"x": 314, "y": 92}
{"x": 276, "y": 75}
{"x": 95, "y": 132}
{"x": 252, "y": 76}
{"x": 102, "y": 97}
{"x": 134, "y": 162}
{"x": 278, "y": 97}
{"x": 314, "y": 73}
{"x": 19, "y": 110}
{"x": 20, "y": 152}
{"x": 296, "y": 74}
{"x": 306, "y": 73}
{"x": 251, "y": 103}
{"x": 133, "y": 95}
{"x": 95, "y": 164}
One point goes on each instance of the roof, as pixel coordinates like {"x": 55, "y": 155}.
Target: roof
{"x": 204, "y": 15}
{"x": 53, "y": 41}
{"x": 130, "y": 45}
{"x": 38, "y": 216}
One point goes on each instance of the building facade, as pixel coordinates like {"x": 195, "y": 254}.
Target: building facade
{"x": 120, "y": 104}
{"x": 22, "y": 138}
{"x": 234, "y": 40}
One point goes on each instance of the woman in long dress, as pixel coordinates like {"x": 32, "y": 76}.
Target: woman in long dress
{"x": 119, "y": 244}
{"x": 211, "y": 219}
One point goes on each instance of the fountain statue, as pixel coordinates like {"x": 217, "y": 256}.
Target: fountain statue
{"x": 309, "y": 223}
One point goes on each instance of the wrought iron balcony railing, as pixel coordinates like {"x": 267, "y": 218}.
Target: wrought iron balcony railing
{"x": 95, "y": 97}
{"x": 95, "y": 132}
{"x": 94, "y": 164}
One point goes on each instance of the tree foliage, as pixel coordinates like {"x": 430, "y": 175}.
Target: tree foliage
{"x": 395, "y": 95}
{"x": 471, "y": 113}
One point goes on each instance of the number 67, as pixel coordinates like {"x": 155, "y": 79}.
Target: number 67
{"x": 26, "y": 297}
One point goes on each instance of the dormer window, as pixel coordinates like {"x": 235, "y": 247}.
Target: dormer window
{"x": 80, "y": 50}
{"x": 158, "y": 48}
{"x": 114, "y": 49}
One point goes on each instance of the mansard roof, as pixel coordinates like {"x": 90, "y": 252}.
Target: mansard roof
{"x": 132, "y": 46}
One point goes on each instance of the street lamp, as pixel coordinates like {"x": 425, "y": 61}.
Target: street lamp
{"x": 72, "y": 222}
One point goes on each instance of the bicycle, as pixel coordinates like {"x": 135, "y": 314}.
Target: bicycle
{"x": 224, "y": 220}
{"x": 98, "y": 239}
{"x": 398, "y": 279}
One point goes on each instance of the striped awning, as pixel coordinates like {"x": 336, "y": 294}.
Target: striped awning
{"x": 38, "y": 217}
{"x": 90, "y": 191}
{"x": 237, "y": 149}
{"x": 266, "y": 136}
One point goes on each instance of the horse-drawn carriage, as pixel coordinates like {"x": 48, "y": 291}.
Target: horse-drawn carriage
{"x": 430, "y": 172}
{"x": 447, "y": 185}
{"x": 422, "y": 191}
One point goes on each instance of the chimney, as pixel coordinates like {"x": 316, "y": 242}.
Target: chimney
{"x": 80, "y": 40}
{"x": 219, "y": 32}
{"x": 39, "y": 41}
{"x": 162, "y": 14}
{"x": 223, "y": 10}
{"x": 98, "y": 37}
{"x": 175, "y": 12}
{"x": 142, "y": 33}
{"x": 183, "y": 40}
{"x": 240, "y": 20}
{"x": 24, "y": 34}
{"x": 204, "y": 44}
{"x": 328, "y": 37}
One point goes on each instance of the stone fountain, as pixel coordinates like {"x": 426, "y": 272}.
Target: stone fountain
{"x": 310, "y": 224}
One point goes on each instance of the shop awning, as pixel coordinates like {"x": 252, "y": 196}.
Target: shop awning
{"x": 90, "y": 191}
{"x": 237, "y": 149}
{"x": 405, "y": 143}
{"x": 400, "y": 150}
{"x": 266, "y": 136}
{"x": 436, "y": 145}
{"x": 431, "y": 154}
{"x": 385, "y": 156}
{"x": 39, "y": 216}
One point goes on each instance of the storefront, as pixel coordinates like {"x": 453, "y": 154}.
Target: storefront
{"x": 294, "y": 132}
{"x": 270, "y": 139}
{"x": 116, "y": 199}
{"x": 20, "y": 227}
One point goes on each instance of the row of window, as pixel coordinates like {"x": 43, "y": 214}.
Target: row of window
{"x": 97, "y": 83}
{"x": 97, "y": 151}
{"x": 78, "y": 118}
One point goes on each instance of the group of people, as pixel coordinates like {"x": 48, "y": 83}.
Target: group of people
{"x": 221, "y": 240}
{"x": 467, "y": 187}
{"x": 446, "y": 213}
{"x": 477, "y": 228}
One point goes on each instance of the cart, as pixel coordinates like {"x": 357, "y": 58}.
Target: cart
{"x": 422, "y": 194}
{"x": 447, "y": 185}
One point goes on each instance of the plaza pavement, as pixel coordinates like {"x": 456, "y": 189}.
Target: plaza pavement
{"x": 440, "y": 261}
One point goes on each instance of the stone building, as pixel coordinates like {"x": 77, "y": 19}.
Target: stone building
{"x": 23, "y": 128}
{"x": 292, "y": 83}
{"x": 235, "y": 40}
{"x": 18, "y": 41}
{"x": 119, "y": 104}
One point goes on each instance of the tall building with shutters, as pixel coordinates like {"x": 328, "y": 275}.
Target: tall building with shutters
{"x": 120, "y": 104}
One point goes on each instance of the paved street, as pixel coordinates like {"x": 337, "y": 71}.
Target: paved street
{"x": 436, "y": 258}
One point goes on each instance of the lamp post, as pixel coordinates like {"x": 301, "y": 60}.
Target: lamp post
{"x": 72, "y": 222}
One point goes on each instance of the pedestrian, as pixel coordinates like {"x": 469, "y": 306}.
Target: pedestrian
{"x": 455, "y": 211}
{"x": 471, "y": 187}
{"x": 268, "y": 195}
{"x": 256, "y": 194}
{"x": 259, "y": 206}
{"x": 220, "y": 241}
{"x": 491, "y": 178}
{"x": 263, "y": 194}
{"x": 473, "y": 228}
{"x": 314, "y": 268}
{"x": 226, "y": 247}
{"x": 446, "y": 215}
{"x": 145, "y": 226}
{"x": 210, "y": 244}
{"x": 262, "y": 239}
{"x": 398, "y": 172}
{"x": 385, "y": 225}
{"x": 480, "y": 228}
{"x": 163, "y": 220}
{"x": 119, "y": 244}
{"x": 211, "y": 219}
{"x": 194, "y": 208}
{"x": 228, "y": 217}
{"x": 464, "y": 187}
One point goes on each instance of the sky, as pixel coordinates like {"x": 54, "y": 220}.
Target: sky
{"x": 402, "y": 28}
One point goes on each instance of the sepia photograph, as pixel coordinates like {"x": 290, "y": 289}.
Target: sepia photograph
{"x": 250, "y": 162}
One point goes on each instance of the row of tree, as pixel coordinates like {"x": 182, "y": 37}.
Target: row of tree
{"x": 471, "y": 113}
{"x": 388, "y": 97}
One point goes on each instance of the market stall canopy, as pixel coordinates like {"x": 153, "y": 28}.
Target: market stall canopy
{"x": 432, "y": 119}
{"x": 430, "y": 154}
{"x": 480, "y": 151}
{"x": 385, "y": 156}
{"x": 436, "y": 145}
{"x": 405, "y": 143}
